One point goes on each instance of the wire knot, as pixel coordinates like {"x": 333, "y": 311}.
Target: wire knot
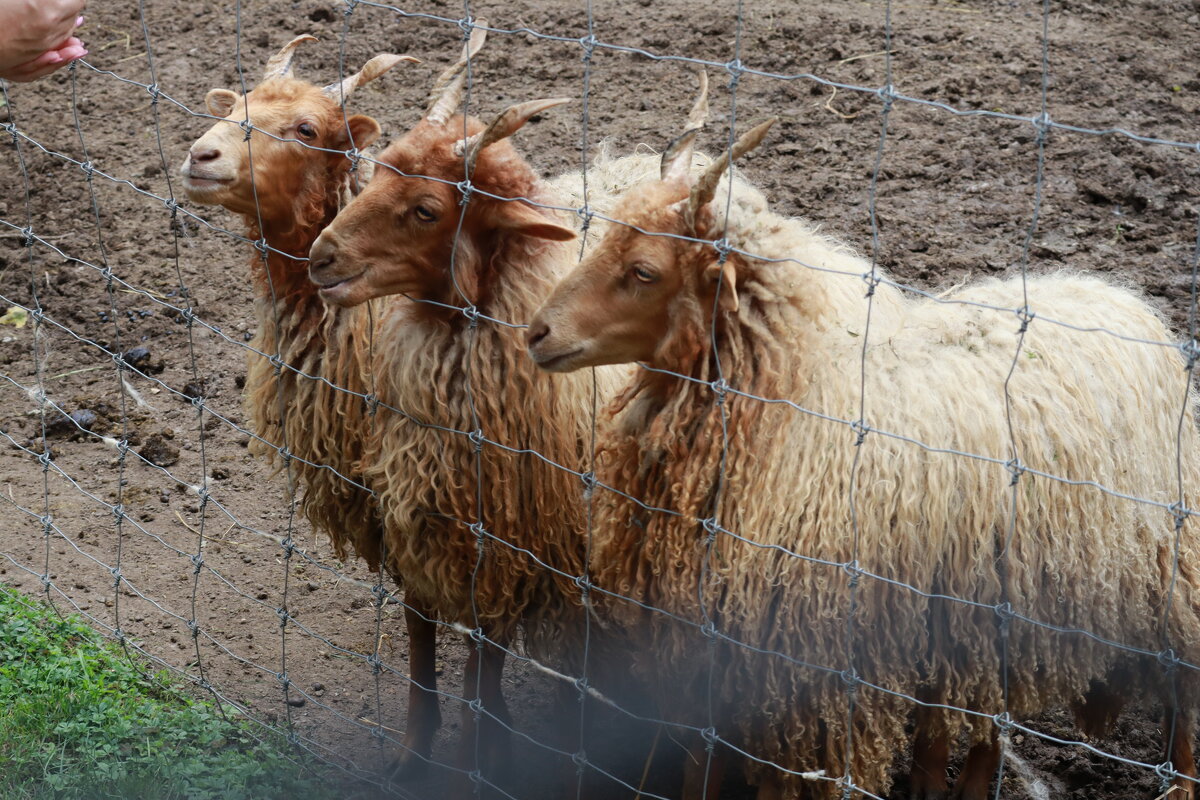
{"x": 1016, "y": 469}
{"x": 1026, "y": 316}
{"x": 283, "y": 615}
{"x": 1191, "y": 352}
{"x": 887, "y": 93}
{"x": 709, "y": 735}
{"x": 471, "y": 312}
{"x": 735, "y": 68}
{"x": 1041, "y": 123}
{"x": 466, "y": 189}
{"x": 579, "y": 759}
{"x": 861, "y": 429}
{"x": 723, "y": 249}
{"x": 350, "y": 6}
{"x": 283, "y": 679}
{"x": 711, "y": 527}
{"x": 476, "y": 437}
{"x": 118, "y": 512}
{"x": 853, "y": 571}
{"x": 87, "y": 167}
{"x": 372, "y": 402}
{"x": 1005, "y": 612}
{"x": 154, "y": 93}
{"x": 47, "y": 523}
{"x": 1168, "y": 659}
{"x": 197, "y": 562}
{"x": 44, "y": 458}
{"x": 1180, "y": 512}
{"x": 27, "y": 237}
{"x": 276, "y": 363}
{"x": 1003, "y": 722}
{"x": 375, "y": 662}
{"x": 1166, "y": 772}
{"x": 247, "y": 126}
{"x": 850, "y": 679}
{"x": 709, "y": 630}
{"x": 193, "y": 628}
{"x": 872, "y": 280}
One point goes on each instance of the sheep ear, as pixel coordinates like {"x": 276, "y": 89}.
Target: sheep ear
{"x": 725, "y": 276}
{"x": 220, "y": 102}
{"x": 363, "y": 131}
{"x": 520, "y": 218}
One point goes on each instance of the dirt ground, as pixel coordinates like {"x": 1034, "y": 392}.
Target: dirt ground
{"x": 955, "y": 199}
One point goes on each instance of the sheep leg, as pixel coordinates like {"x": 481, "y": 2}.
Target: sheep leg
{"x": 983, "y": 759}
{"x": 931, "y": 756}
{"x": 484, "y": 743}
{"x": 424, "y": 715}
{"x": 1182, "y": 758}
{"x": 702, "y": 775}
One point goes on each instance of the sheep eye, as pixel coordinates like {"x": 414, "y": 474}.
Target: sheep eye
{"x": 424, "y": 214}
{"x": 644, "y": 275}
{"x": 306, "y": 130}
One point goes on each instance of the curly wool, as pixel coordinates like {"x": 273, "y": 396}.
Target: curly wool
{"x": 297, "y": 405}
{"x": 1085, "y": 406}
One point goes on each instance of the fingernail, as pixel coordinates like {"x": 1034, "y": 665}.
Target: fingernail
{"x": 78, "y": 21}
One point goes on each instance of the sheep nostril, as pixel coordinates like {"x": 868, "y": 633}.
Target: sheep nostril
{"x": 536, "y": 333}
{"x": 201, "y": 156}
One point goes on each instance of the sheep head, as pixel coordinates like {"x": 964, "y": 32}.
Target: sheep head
{"x": 648, "y": 290}
{"x": 291, "y": 119}
{"x": 404, "y": 231}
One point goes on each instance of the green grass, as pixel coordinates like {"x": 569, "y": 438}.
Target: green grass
{"x": 78, "y": 720}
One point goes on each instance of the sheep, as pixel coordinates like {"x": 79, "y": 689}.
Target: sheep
{"x": 788, "y": 323}
{"x": 295, "y": 191}
{"x": 454, "y": 371}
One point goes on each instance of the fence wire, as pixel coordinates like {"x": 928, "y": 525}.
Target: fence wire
{"x": 135, "y": 556}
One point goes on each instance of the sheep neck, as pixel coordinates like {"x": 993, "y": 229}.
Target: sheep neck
{"x": 281, "y": 276}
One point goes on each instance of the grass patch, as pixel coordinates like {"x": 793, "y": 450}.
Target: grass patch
{"x": 78, "y": 720}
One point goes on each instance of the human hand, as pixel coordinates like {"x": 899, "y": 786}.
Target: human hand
{"x": 37, "y": 37}
{"x": 47, "y": 62}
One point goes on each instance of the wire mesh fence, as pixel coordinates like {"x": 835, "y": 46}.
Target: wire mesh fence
{"x": 135, "y": 500}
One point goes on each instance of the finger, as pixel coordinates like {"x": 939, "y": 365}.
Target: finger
{"x": 25, "y": 76}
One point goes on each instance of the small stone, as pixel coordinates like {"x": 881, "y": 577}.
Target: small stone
{"x": 296, "y": 702}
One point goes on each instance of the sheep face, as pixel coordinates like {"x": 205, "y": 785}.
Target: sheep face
{"x": 642, "y": 289}
{"x": 399, "y": 235}
{"x": 295, "y": 124}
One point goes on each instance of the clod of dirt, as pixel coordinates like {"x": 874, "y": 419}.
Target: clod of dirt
{"x": 158, "y": 451}
{"x": 137, "y": 357}
{"x": 193, "y": 389}
{"x": 141, "y": 359}
{"x": 70, "y": 424}
{"x": 296, "y": 702}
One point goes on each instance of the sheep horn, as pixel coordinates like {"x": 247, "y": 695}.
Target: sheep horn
{"x": 503, "y": 126}
{"x": 678, "y": 155}
{"x": 706, "y": 187}
{"x": 447, "y": 90}
{"x": 370, "y": 71}
{"x": 280, "y": 64}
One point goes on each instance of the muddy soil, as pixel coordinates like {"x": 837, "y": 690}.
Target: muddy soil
{"x": 954, "y": 199}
